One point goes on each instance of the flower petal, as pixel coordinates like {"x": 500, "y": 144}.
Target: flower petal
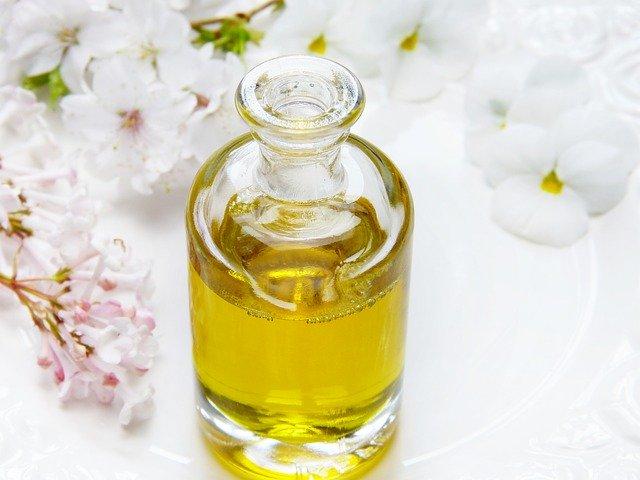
{"x": 521, "y": 149}
{"x": 72, "y": 69}
{"x": 592, "y": 124}
{"x": 522, "y": 208}
{"x": 553, "y": 86}
{"x": 84, "y": 114}
{"x": 494, "y": 86}
{"x": 596, "y": 172}
{"x": 412, "y": 76}
{"x": 452, "y": 40}
{"x": 121, "y": 82}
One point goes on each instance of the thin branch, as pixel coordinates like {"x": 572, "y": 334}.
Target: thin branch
{"x": 36, "y": 279}
{"x": 246, "y": 16}
{"x": 15, "y": 286}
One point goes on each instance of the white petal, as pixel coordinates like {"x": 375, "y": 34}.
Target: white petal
{"x": 521, "y": 207}
{"x": 452, "y": 42}
{"x": 407, "y": 15}
{"x": 303, "y": 19}
{"x": 120, "y": 82}
{"x": 72, "y": 69}
{"x": 350, "y": 38}
{"x": 34, "y": 44}
{"x": 167, "y": 109}
{"x": 179, "y": 68}
{"x": 520, "y": 149}
{"x": 585, "y": 123}
{"x": 553, "y": 86}
{"x": 595, "y": 172}
{"x": 494, "y": 85}
{"x": 83, "y": 114}
{"x": 173, "y": 31}
{"x": 104, "y": 35}
{"x": 412, "y": 76}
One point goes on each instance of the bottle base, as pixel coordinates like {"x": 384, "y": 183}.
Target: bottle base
{"x": 253, "y": 456}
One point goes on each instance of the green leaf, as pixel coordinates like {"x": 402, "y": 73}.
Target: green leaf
{"x": 206, "y": 36}
{"x": 232, "y": 36}
{"x": 51, "y": 80}
{"x": 36, "y": 81}
{"x": 57, "y": 87}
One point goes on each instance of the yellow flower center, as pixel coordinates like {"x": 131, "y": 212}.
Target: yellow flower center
{"x": 147, "y": 50}
{"x": 318, "y": 45}
{"x": 131, "y": 120}
{"x": 410, "y": 42}
{"x": 68, "y": 36}
{"x": 552, "y": 184}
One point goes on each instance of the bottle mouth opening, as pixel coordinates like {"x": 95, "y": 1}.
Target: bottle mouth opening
{"x": 299, "y": 94}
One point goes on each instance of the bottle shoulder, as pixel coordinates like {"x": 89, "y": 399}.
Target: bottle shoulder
{"x": 369, "y": 174}
{"x": 300, "y": 252}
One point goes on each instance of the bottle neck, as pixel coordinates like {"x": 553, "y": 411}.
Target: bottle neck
{"x": 300, "y": 109}
{"x": 301, "y": 171}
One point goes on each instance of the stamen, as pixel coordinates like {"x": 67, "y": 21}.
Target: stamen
{"x": 318, "y": 45}
{"x": 410, "y": 42}
{"x": 552, "y": 184}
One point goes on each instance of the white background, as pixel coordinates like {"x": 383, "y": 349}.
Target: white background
{"x": 523, "y": 360}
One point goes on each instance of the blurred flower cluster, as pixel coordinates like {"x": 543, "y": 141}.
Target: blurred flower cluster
{"x": 552, "y": 152}
{"x": 145, "y": 87}
{"x": 85, "y": 295}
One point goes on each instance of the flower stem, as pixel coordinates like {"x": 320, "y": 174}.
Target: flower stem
{"x": 36, "y": 279}
{"x": 18, "y": 287}
{"x": 246, "y": 16}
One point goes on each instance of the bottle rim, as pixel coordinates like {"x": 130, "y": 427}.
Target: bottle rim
{"x": 300, "y": 94}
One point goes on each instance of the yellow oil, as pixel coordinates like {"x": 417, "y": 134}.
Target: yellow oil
{"x": 299, "y": 334}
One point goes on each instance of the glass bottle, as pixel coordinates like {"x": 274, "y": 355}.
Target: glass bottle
{"x": 299, "y": 238}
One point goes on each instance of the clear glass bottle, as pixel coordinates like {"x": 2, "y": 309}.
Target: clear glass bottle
{"x": 299, "y": 247}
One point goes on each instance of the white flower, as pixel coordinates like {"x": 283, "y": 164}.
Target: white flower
{"x": 152, "y": 32}
{"x": 85, "y": 297}
{"x": 511, "y": 89}
{"x": 425, "y": 43}
{"x": 209, "y": 132}
{"x": 197, "y": 72}
{"x": 313, "y": 28}
{"x": 548, "y": 181}
{"x": 45, "y": 34}
{"x": 20, "y": 114}
{"x": 133, "y": 128}
{"x": 552, "y": 161}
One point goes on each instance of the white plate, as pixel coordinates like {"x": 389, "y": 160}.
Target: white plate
{"x": 523, "y": 361}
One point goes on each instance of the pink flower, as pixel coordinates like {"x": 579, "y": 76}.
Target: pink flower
{"x": 86, "y": 295}
{"x": 137, "y": 404}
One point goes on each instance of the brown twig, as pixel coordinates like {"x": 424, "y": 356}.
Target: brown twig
{"x": 246, "y": 16}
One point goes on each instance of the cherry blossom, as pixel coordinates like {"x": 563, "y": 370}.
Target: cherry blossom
{"x": 43, "y": 35}
{"x": 197, "y": 72}
{"x": 207, "y": 129}
{"x": 133, "y": 127}
{"x": 86, "y": 295}
{"x": 151, "y": 33}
